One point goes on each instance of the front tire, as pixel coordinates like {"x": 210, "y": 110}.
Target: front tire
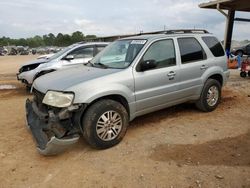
{"x": 105, "y": 123}
{"x": 210, "y": 96}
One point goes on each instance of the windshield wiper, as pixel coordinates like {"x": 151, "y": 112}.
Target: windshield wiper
{"x": 89, "y": 62}
{"x": 102, "y": 65}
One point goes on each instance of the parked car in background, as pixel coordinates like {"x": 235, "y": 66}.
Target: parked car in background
{"x": 24, "y": 52}
{"x": 3, "y": 51}
{"x": 13, "y": 51}
{"x": 33, "y": 51}
{"x": 242, "y": 50}
{"x": 46, "y": 56}
{"x": 129, "y": 78}
{"x": 79, "y": 53}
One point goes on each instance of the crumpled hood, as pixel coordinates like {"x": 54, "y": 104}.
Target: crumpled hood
{"x": 37, "y": 61}
{"x": 62, "y": 79}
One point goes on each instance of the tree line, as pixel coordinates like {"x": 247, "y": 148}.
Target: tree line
{"x": 47, "y": 40}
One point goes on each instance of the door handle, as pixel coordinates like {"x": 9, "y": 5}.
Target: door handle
{"x": 204, "y": 67}
{"x": 171, "y": 74}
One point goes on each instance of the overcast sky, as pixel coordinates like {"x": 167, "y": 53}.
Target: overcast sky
{"x": 26, "y": 18}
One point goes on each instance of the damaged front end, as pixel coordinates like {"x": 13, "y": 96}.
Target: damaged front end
{"x": 53, "y": 129}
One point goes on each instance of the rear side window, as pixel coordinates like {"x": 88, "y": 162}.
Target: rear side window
{"x": 214, "y": 45}
{"x": 190, "y": 50}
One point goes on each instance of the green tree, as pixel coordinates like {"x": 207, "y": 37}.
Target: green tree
{"x": 52, "y": 38}
{"x": 21, "y": 42}
{"x": 59, "y": 39}
{"x": 39, "y": 40}
{"x": 77, "y": 37}
{"x": 47, "y": 40}
{"x": 66, "y": 40}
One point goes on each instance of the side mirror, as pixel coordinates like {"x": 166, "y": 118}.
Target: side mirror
{"x": 69, "y": 57}
{"x": 147, "y": 65}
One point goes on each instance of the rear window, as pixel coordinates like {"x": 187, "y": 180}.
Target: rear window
{"x": 214, "y": 45}
{"x": 190, "y": 50}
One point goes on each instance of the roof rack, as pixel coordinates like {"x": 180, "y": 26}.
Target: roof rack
{"x": 183, "y": 31}
{"x": 177, "y": 31}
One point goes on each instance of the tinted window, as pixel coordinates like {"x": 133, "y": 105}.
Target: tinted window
{"x": 82, "y": 53}
{"x": 162, "y": 52}
{"x": 190, "y": 50}
{"x": 99, "y": 48}
{"x": 214, "y": 45}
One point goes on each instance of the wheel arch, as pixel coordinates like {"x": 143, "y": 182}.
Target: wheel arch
{"x": 216, "y": 73}
{"x": 116, "y": 97}
{"x": 217, "y": 77}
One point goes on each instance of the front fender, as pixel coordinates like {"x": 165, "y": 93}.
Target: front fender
{"x": 47, "y": 66}
{"x": 89, "y": 94}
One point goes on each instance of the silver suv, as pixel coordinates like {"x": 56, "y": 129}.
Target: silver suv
{"x": 130, "y": 77}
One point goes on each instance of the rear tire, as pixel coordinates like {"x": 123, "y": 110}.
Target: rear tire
{"x": 105, "y": 123}
{"x": 243, "y": 74}
{"x": 210, "y": 96}
{"x": 240, "y": 53}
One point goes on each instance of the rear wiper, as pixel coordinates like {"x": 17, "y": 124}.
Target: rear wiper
{"x": 102, "y": 65}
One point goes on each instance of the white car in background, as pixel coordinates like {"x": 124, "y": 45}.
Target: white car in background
{"x": 79, "y": 53}
{"x": 46, "y": 56}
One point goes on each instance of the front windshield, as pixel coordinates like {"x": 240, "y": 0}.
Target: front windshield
{"x": 58, "y": 54}
{"x": 119, "y": 54}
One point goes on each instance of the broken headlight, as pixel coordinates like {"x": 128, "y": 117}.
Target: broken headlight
{"x": 58, "y": 99}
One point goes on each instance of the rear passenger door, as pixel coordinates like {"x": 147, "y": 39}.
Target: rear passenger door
{"x": 155, "y": 88}
{"x": 193, "y": 65}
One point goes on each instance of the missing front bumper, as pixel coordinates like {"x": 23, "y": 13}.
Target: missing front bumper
{"x": 39, "y": 124}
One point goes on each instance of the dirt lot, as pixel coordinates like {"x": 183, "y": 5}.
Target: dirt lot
{"x": 175, "y": 147}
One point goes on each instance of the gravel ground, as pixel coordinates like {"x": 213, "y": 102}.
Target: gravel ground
{"x": 176, "y": 147}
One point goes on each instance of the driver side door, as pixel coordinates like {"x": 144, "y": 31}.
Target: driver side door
{"x": 156, "y": 88}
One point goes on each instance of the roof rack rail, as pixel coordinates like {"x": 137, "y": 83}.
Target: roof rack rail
{"x": 184, "y": 31}
{"x": 176, "y": 31}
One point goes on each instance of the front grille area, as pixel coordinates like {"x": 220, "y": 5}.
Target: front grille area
{"x": 38, "y": 96}
{"x": 38, "y": 99}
